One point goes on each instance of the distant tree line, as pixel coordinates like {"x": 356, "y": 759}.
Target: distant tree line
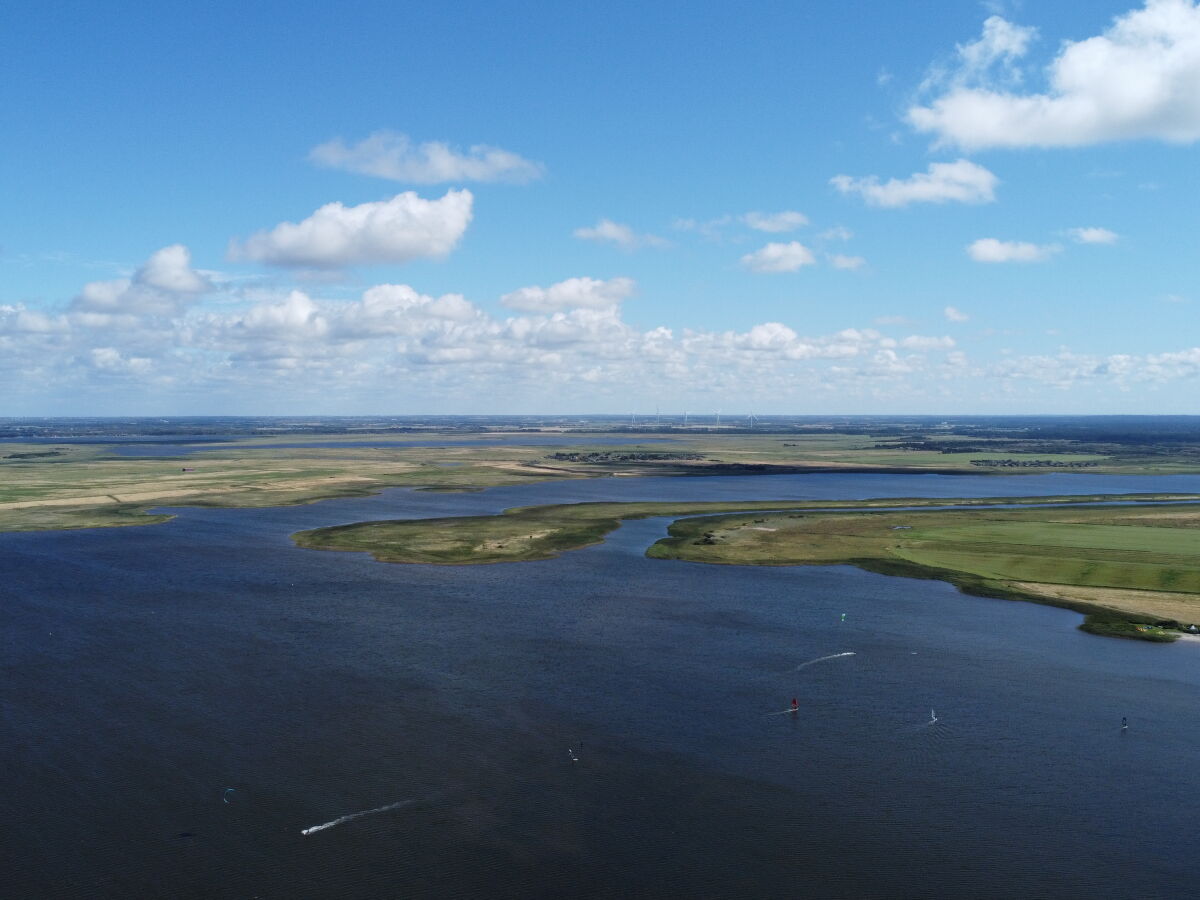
{"x": 1008, "y": 446}
{"x": 34, "y": 454}
{"x": 1034, "y": 463}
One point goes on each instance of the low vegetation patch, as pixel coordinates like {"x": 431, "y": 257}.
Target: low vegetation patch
{"x": 540, "y": 532}
{"x": 518, "y": 535}
{"x": 1111, "y": 625}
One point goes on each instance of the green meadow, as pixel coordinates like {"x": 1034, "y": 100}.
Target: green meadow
{"x": 1128, "y": 565}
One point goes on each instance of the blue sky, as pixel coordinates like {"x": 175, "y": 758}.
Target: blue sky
{"x": 950, "y": 207}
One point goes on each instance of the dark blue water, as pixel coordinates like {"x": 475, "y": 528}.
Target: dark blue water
{"x": 148, "y": 670}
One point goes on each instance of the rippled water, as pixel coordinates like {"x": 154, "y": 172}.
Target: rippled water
{"x": 146, "y": 671}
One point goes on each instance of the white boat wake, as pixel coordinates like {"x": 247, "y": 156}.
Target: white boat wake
{"x": 358, "y": 815}
{"x": 813, "y": 662}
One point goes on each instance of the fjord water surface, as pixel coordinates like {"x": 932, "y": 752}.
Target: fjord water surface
{"x": 148, "y": 671}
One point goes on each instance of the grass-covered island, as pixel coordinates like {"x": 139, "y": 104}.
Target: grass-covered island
{"x": 1133, "y": 570}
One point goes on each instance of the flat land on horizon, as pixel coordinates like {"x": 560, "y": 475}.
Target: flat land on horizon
{"x": 48, "y": 485}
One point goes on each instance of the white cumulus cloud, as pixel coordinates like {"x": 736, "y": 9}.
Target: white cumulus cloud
{"x": 991, "y": 250}
{"x": 398, "y": 310}
{"x": 954, "y": 314}
{"x": 1092, "y": 235}
{"x": 961, "y": 181}
{"x": 996, "y": 52}
{"x": 836, "y": 233}
{"x": 774, "y": 257}
{"x": 110, "y": 359}
{"x": 841, "y": 261}
{"x": 389, "y": 154}
{"x": 170, "y": 269}
{"x": 398, "y": 230}
{"x": 924, "y": 342}
{"x": 787, "y": 220}
{"x": 162, "y": 286}
{"x": 1137, "y": 80}
{"x": 295, "y": 317}
{"x": 606, "y": 231}
{"x": 1001, "y": 42}
{"x": 574, "y": 293}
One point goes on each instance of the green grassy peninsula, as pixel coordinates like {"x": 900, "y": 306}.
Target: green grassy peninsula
{"x": 1134, "y": 570}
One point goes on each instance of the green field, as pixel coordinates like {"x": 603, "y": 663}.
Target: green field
{"x": 1117, "y": 556}
{"x": 1013, "y": 545}
{"x": 1139, "y": 564}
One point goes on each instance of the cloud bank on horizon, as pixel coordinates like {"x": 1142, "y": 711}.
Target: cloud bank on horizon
{"x": 547, "y": 286}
